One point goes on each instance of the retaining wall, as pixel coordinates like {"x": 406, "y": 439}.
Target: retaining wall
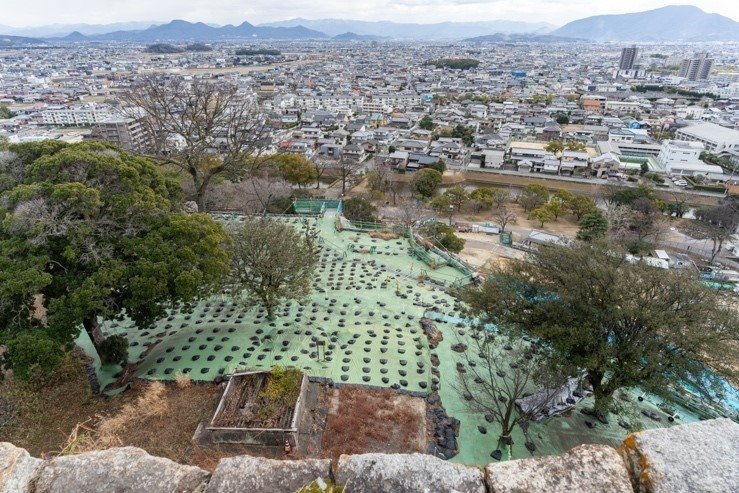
{"x": 698, "y": 457}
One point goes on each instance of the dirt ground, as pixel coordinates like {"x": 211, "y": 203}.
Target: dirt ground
{"x": 565, "y": 225}
{"x": 485, "y": 251}
{"x": 364, "y": 420}
{"x": 40, "y": 416}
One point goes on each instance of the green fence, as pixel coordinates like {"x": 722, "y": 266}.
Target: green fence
{"x": 317, "y": 206}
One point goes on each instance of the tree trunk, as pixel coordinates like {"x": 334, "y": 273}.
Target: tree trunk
{"x": 603, "y": 395}
{"x": 270, "y": 307}
{"x": 201, "y": 188}
{"x": 92, "y": 327}
{"x": 717, "y": 244}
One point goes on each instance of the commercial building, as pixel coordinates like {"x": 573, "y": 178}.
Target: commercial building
{"x": 716, "y": 139}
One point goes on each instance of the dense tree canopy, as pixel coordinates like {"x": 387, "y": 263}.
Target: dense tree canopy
{"x": 295, "y": 169}
{"x": 359, "y": 209}
{"x": 91, "y": 233}
{"x": 533, "y": 196}
{"x": 626, "y": 324}
{"x": 593, "y": 226}
{"x": 442, "y": 236}
{"x": 425, "y": 182}
{"x": 426, "y": 123}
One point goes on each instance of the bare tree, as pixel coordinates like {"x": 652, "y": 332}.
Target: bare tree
{"x": 495, "y": 373}
{"x": 409, "y": 211}
{"x": 717, "y": 224}
{"x": 500, "y": 196}
{"x": 504, "y": 217}
{"x": 249, "y": 196}
{"x": 205, "y": 129}
{"x": 347, "y": 167}
{"x": 321, "y": 166}
{"x": 648, "y": 221}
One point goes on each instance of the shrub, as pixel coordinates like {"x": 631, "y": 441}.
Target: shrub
{"x": 114, "y": 350}
{"x": 359, "y": 209}
{"x": 425, "y": 182}
{"x": 32, "y": 353}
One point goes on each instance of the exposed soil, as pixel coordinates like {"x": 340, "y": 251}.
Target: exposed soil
{"x": 364, "y": 420}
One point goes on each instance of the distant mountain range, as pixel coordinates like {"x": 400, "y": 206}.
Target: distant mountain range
{"x": 671, "y": 23}
{"x": 60, "y": 30}
{"x": 10, "y": 41}
{"x": 179, "y": 30}
{"x": 522, "y": 38}
{"x": 443, "y": 30}
{"x": 349, "y": 36}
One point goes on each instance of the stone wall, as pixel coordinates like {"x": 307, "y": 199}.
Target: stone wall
{"x": 698, "y": 457}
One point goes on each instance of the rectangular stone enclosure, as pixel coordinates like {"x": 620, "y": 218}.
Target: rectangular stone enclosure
{"x": 239, "y": 420}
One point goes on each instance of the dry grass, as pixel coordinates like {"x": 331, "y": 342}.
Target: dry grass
{"x": 40, "y": 414}
{"x": 61, "y": 416}
{"x": 162, "y": 419}
{"x": 183, "y": 381}
{"x": 384, "y": 235}
{"x": 363, "y": 420}
{"x": 112, "y": 430}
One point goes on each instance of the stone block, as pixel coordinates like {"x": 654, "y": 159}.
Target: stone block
{"x": 696, "y": 457}
{"x": 17, "y": 468}
{"x": 406, "y": 473}
{"x": 586, "y": 469}
{"x": 259, "y": 475}
{"x": 123, "y": 470}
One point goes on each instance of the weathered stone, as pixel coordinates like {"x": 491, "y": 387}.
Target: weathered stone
{"x": 406, "y": 473}
{"x": 126, "y": 469}
{"x": 258, "y": 475}
{"x": 190, "y": 207}
{"x": 696, "y": 457}
{"x": 17, "y": 468}
{"x": 586, "y": 469}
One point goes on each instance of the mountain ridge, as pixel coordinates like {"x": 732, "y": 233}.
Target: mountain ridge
{"x": 398, "y": 30}
{"x": 670, "y": 23}
{"x": 522, "y": 38}
{"x": 181, "y": 30}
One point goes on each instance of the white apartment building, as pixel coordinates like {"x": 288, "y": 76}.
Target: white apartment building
{"x": 679, "y": 151}
{"x": 622, "y": 106}
{"x": 679, "y": 157}
{"x": 75, "y": 116}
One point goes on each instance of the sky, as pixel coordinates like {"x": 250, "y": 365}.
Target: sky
{"x": 23, "y": 13}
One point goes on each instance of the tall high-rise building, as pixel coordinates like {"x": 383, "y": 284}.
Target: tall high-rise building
{"x": 697, "y": 68}
{"x": 628, "y": 58}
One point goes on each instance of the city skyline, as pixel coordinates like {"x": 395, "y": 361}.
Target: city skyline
{"x": 556, "y": 12}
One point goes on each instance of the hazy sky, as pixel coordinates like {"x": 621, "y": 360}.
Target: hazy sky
{"x": 21, "y": 13}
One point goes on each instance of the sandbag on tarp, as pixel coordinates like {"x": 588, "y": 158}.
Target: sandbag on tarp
{"x": 551, "y": 402}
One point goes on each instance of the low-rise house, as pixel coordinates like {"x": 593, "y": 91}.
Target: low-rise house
{"x": 354, "y": 151}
